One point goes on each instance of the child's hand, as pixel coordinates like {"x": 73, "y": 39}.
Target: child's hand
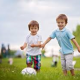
{"x": 32, "y": 45}
{"x": 42, "y": 45}
{"x": 35, "y": 45}
{"x": 21, "y": 47}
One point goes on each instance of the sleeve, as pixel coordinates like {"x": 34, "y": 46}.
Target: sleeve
{"x": 40, "y": 38}
{"x": 70, "y": 35}
{"x": 53, "y": 35}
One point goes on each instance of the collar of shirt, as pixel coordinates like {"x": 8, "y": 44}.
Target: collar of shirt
{"x": 62, "y": 29}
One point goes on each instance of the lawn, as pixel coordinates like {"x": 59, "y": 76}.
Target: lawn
{"x": 13, "y": 72}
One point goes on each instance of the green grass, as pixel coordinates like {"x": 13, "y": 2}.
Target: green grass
{"x": 13, "y": 72}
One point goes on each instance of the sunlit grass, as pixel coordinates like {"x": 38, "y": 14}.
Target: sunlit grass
{"x": 13, "y": 72}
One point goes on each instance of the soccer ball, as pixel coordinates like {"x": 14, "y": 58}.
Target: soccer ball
{"x": 28, "y": 71}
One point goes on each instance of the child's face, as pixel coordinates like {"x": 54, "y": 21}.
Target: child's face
{"x": 61, "y": 23}
{"x": 34, "y": 29}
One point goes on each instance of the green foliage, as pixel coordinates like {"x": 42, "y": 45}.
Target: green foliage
{"x": 76, "y": 33}
{"x": 42, "y": 51}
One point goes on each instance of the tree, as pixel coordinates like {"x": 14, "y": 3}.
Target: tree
{"x": 76, "y": 33}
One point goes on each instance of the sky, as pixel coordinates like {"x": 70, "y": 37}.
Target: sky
{"x": 15, "y": 16}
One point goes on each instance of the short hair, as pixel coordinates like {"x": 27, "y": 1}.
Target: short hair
{"x": 62, "y": 16}
{"x": 33, "y": 23}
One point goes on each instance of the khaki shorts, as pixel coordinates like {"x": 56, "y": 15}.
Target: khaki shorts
{"x": 66, "y": 61}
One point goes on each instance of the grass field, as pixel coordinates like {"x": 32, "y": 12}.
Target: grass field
{"x": 13, "y": 72}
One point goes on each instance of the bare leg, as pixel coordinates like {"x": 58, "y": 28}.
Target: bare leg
{"x": 29, "y": 65}
{"x": 38, "y": 70}
{"x": 72, "y": 72}
{"x": 65, "y": 72}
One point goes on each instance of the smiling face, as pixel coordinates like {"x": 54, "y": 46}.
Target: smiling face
{"x": 34, "y": 29}
{"x": 61, "y": 23}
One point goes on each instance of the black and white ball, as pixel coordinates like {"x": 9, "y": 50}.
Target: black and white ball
{"x": 28, "y": 71}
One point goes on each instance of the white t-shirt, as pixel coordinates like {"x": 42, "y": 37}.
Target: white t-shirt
{"x": 33, "y": 39}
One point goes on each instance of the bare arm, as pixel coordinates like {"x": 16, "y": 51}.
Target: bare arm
{"x": 36, "y": 45}
{"x": 24, "y": 46}
{"x": 76, "y": 44}
{"x": 48, "y": 39}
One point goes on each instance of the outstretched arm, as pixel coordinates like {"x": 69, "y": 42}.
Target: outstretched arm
{"x": 76, "y": 44}
{"x": 36, "y": 45}
{"x": 48, "y": 39}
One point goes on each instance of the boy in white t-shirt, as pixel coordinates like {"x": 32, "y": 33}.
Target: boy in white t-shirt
{"x": 33, "y": 44}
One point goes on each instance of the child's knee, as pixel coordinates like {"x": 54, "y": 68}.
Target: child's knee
{"x": 29, "y": 65}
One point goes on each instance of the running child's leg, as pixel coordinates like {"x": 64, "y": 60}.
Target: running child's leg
{"x": 28, "y": 60}
{"x": 37, "y": 63}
